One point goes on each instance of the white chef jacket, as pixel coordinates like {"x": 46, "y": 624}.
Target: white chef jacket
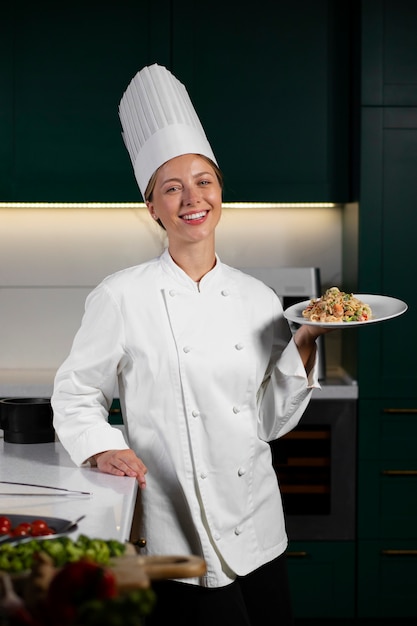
{"x": 207, "y": 375}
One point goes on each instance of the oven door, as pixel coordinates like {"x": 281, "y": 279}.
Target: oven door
{"x": 316, "y": 468}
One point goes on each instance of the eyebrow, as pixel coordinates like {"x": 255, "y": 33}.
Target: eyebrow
{"x": 175, "y": 179}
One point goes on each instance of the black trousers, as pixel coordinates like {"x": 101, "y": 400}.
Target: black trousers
{"x": 261, "y": 598}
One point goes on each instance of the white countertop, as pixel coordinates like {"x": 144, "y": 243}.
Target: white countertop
{"x": 108, "y": 510}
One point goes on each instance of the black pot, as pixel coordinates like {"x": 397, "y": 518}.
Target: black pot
{"x": 26, "y": 420}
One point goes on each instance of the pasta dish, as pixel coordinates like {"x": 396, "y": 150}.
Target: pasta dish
{"x": 337, "y": 306}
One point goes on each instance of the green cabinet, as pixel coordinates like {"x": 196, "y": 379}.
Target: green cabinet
{"x": 388, "y": 223}
{"x": 322, "y": 578}
{"x": 115, "y": 413}
{"x": 389, "y": 58}
{"x": 387, "y": 368}
{"x": 270, "y": 82}
{"x": 387, "y": 579}
{"x": 273, "y": 94}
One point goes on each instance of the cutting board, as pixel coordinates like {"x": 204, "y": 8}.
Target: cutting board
{"x": 134, "y": 571}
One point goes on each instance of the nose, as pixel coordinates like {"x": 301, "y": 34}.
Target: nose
{"x": 190, "y": 196}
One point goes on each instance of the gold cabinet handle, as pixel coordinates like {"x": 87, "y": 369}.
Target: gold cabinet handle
{"x": 399, "y": 472}
{"x": 297, "y": 554}
{"x": 410, "y": 411}
{"x": 399, "y": 552}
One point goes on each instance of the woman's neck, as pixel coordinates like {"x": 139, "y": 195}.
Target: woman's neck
{"x": 195, "y": 260}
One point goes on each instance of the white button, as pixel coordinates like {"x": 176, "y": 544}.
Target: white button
{"x": 195, "y": 413}
{"x": 239, "y": 346}
{"x": 216, "y": 536}
{"x": 236, "y": 409}
{"x": 238, "y": 530}
{"x": 204, "y": 474}
{"x": 186, "y": 349}
{"x": 241, "y": 471}
{"x": 172, "y": 292}
{"x": 225, "y": 292}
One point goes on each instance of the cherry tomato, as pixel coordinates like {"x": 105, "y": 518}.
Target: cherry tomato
{"x": 5, "y": 522}
{"x": 39, "y": 527}
{"x": 21, "y": 530}
{"x": 4, "y": 529}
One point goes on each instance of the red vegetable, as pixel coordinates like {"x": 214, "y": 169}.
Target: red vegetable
{"x": 37, "y": 528}
{"x": 75, "y": 584}
{"x": 5, "y": 523}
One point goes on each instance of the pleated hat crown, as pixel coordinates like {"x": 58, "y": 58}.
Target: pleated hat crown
{"x": 159, "y": 122}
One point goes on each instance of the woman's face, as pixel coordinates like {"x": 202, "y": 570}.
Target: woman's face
{"x": 187, "y": 198}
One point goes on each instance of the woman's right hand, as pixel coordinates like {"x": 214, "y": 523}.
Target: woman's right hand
{"x": 122, "y": 463}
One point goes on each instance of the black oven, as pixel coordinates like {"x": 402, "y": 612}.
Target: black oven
{"x": 316, "y": 468}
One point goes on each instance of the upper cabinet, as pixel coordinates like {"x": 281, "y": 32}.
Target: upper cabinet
{"x": 271, "y": 83}
{"x": 389, "y": 43}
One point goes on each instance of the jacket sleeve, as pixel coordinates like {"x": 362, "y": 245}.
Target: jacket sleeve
{"x": 85, "y": 383}
{"x": 286, "y": 389}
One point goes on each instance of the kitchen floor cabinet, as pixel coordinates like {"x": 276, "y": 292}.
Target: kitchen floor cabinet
{"x": 387, "y": 578}
{"x": 322, "y": 578}
{"x": 270, "y": 82}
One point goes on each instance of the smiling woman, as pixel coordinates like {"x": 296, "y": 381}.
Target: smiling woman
{"x": 232, "y": 375}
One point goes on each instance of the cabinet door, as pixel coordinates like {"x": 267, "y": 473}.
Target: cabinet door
{"x": 271, "y": 85}
{"x": 389, "y": 49}
{"x": 70, "y": 65}
{"x": 387, "y": 579}
{"x": 322, "y": 578}
{"x": 387, "y": 499}
{"x": 387, "y": 429}
{"x": 388, "y": 222}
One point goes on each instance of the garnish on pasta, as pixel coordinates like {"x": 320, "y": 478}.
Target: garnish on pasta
{"x": 337, "y": 306}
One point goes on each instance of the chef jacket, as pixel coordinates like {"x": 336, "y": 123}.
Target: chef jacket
{"x": 207, "y": 375}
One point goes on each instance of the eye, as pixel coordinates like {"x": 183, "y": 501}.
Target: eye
{"x": 172, "y": 189}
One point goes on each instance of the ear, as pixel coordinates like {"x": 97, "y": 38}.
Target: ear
{"x": 149, "y": 206}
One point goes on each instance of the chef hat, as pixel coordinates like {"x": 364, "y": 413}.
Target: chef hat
{"x": 159, "y": 122}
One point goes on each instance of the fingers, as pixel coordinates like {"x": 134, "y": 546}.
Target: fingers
{"x": 122, "y": 463}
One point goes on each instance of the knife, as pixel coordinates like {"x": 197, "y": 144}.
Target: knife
{"x": 68, "y": 491}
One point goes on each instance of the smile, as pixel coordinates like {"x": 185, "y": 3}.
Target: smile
{"x": 194, "y": 216}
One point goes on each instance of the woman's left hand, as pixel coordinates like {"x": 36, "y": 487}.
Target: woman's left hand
{"x": 305, "y": 340}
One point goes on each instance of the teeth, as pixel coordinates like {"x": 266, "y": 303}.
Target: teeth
{"x": 194, "y": 216}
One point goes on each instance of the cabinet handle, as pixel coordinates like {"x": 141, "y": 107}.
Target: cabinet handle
{"x": 114, "y": 411}
{"x": 406, "y": 411}
{"x": 399, "y": 472}
{"x": 399, "y": 552}
{"x": 297, "y": 554}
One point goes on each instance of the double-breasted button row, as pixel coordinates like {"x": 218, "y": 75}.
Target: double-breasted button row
{"x": 240, "y": 472}
{"x": 174, "y": 292}
{"x": 196, "y": 412}
{"x": 186, "y": 349}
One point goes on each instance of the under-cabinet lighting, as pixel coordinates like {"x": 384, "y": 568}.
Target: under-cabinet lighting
{"x": 141, "y": 205}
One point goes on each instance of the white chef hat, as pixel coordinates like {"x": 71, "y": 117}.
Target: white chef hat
{"x": 159, "y": 122}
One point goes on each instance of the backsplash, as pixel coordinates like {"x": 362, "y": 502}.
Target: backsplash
{"x": 50, "y": 259}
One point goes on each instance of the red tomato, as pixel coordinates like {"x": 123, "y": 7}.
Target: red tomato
{"x": 5, "y": 522}
{"x": 21, "y": 530}
{"x": 39, "y": 527}
{"x": 4, "y": 529}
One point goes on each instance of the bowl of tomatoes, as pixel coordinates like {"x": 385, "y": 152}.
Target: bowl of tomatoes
{"x": 16, "y": 526}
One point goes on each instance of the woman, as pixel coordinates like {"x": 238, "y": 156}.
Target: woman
{"x": 208, "y": 373}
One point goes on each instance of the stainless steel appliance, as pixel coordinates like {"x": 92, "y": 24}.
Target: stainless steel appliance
{"x": 292, "y": 285}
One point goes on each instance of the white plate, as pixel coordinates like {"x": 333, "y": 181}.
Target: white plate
{"x": 383, "y": 308}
